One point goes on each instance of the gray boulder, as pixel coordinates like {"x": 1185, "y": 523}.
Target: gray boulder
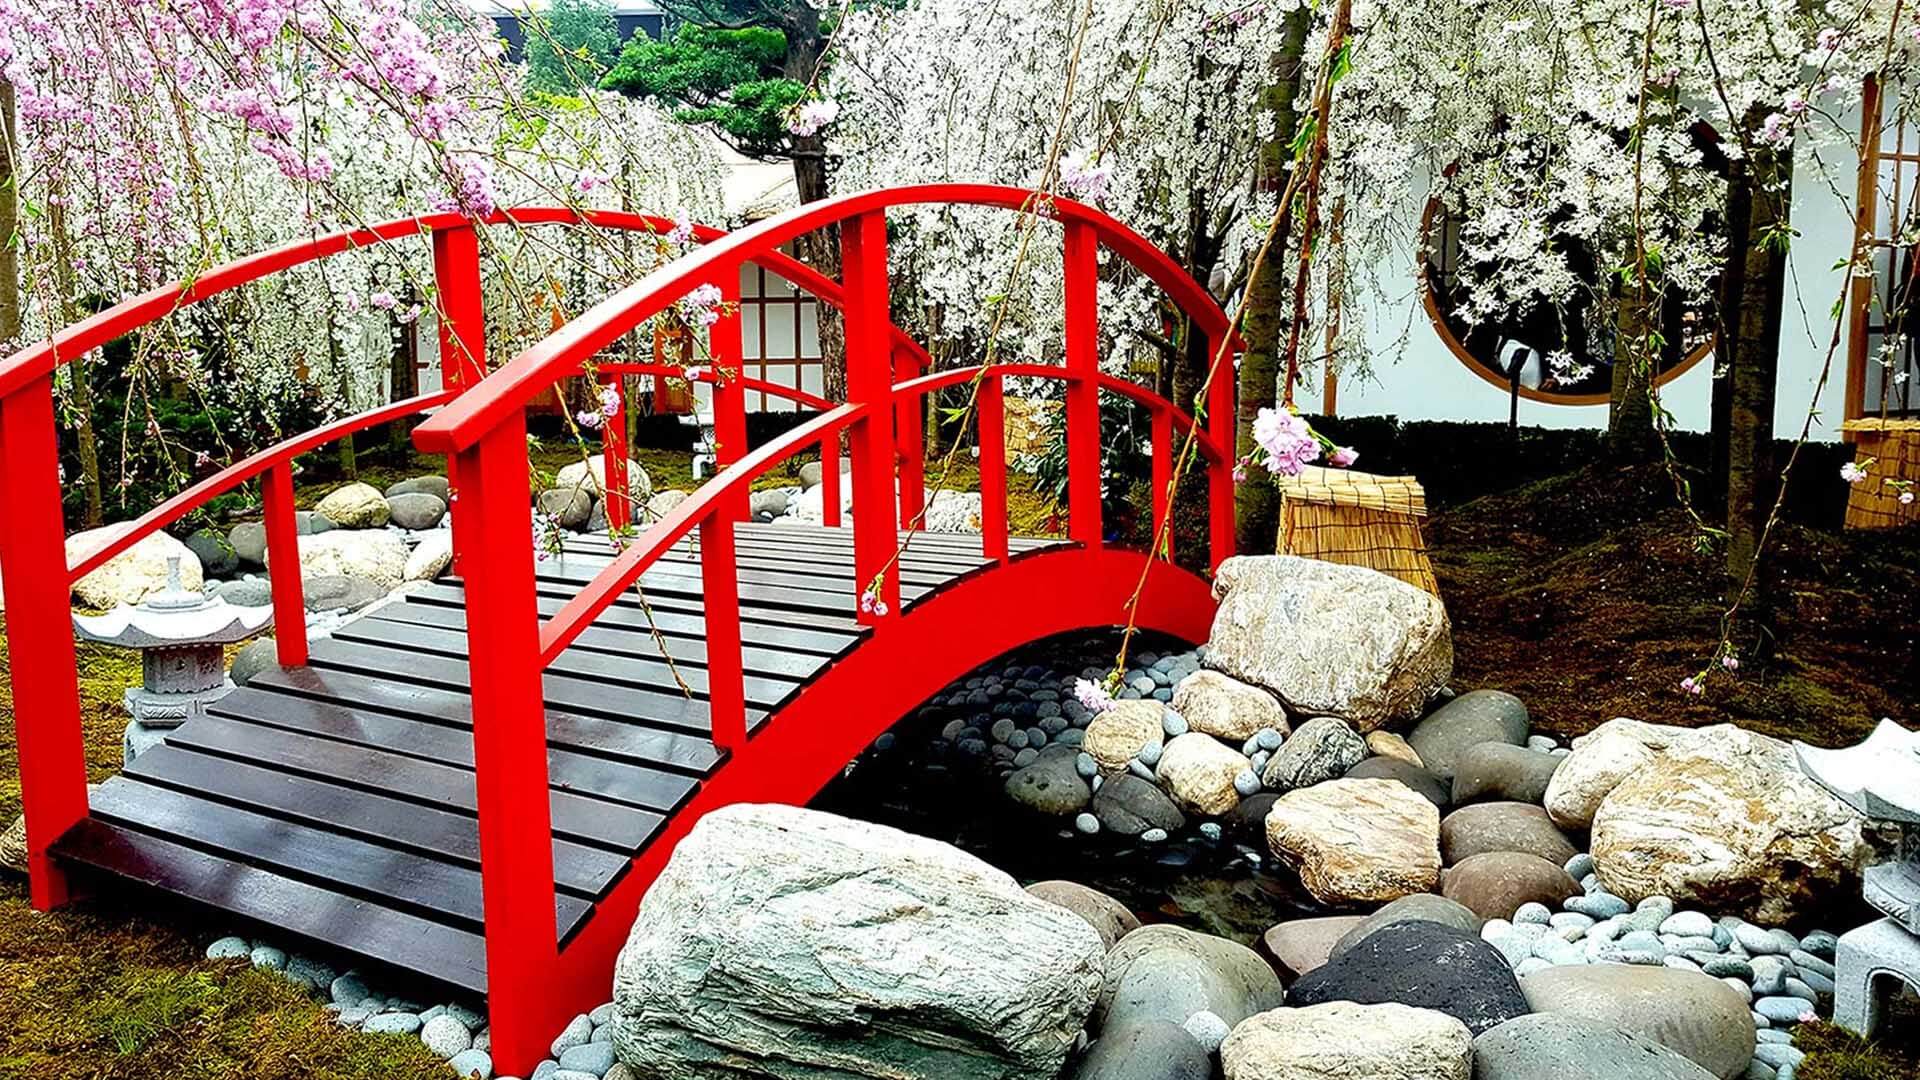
{"x": 341, "y": 592}
{"x": 416, "y": 510}
{"x": 1050, "y": 785}
{"x": 217, "y": 558}
{"x": 784, "y": 942}
{"x": 253, "y": 658}
{"x": 312, "y": 523}
{"x": 1503, "y": 826}
{"x": 248, "y": 541}
{"x": 247, "y": 592}
{"x": 355, "y": 506}
{"x": 1476, "y": 717}
{"x": 1108, "y": 917}
{"x": 435, "y": 486}
{"x": 1319, "y": 750}
{"x": 1425, "y": 965}
{"x": 568, "y": 507}
{"x": 1147, "y": 1050}
{"x": 1420, "y": 907}
{"x": 1329, "y": 639}
{"x": 1166, "y": 972}
{"x": 1413, "y": 776}
{"x": 769, "y": 503}
{"x": 1495, "y": 770}
{"x": 1694, "y": 1015}
{"x": 1540, "y": 1046}
{"x": 1129, "y": 806}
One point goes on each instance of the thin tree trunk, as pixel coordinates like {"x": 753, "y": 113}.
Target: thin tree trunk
{"x": 1259, "y": 503}
{"x": 86, "y": 443}
{"x": 1630, "y": 434}
{"x": 1733, "y": 286}
{"x": 820, "y": 249}
{"x": 1754, "y": 367}
{"x": 9, "y": 223}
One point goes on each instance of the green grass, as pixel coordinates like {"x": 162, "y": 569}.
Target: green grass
{"x": 1837, "y": 1054}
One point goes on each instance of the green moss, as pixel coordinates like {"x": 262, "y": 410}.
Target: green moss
{"x": 1836, "y": 1054}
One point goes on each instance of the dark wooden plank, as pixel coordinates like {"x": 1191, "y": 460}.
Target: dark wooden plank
{"x": 626, "y": 613}
{"x": 442, "y": 891}
{"x": 623, "y": 782}
{"x": 831, "y": 571}
{"x": 754, "y": 616}
{"x": 767, "y": 588}
{"x": 637, "y": 670}
{"x": 624, "y": 739}
{"x": 435, "y": 950}
{"x": 583, "y": 871}
{"x": 624, "y": 641}
{"x": 659, "y": 708}
{"x": 843, "y": 534}
{"x": 448, "y": 787}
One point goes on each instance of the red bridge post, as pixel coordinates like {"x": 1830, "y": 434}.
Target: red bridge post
{"x": 40, "y": 651}
{"x": 463, "y": 342}
{"x": 283, "y": 550}
{"x": 910, "y": 442}
{"x": 991, "y": 438}
{"x": 1082, "y": 263}
{"x": 876, "y": 532}
{"x": 1164, "y": 448}
{"x": 1220, "y": 421}
{"x": 613, "y": 457}
{"x": 728, "y": 353}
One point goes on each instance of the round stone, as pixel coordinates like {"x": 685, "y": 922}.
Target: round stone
{"x": 230, "y": 948}
{"x": 393, "y": 1023}
{"x": 1173, "y": 724}
{"x": 446, "y": 1036}
{"x": 1349, "y": 1039}
{"x": 1087, "y": 823}
{"x": 1552, "y": 1046}
{"x": 1692, "y": 1014}
{"x": 469, "y": 1064}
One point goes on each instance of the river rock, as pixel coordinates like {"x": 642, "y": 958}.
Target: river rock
{"x": 1495, "y": 884}
{"x": 1108, "y": 917}
{"x": 1147, "y": 1050}
{"x": 431, "y": 557}
{"x": 568, "y": 507}
{"x": 1341, "y": 1040}
{"x": 1323, "y": 748}
{"x": 1694, "y": 1015}
{"x": 1116, "y": 734}
{"x": 1425, "y": 965}
{"x": 134, "y": 574}
{"x": 1419, "y": 907}
{"x": 1391, "y": 745}
{"x": 1413, "y": 776}
{"x": 416, "y": 510}
{"x": 1593, "y": 769}
{"x": 1475, "y": 717}
{"x": 339, "y": 592}
{"x": 785, "y": 942}
{"x": 216, "y": 556}
{"x": 1503, "y": 826}
{"x": 249, "y": 543}
{"x": 1556, "y": 1046}
{"x": 374, "y": 554}
{"x": 1300, "y": 945}
{"x": 355, "y": 506}
{"x": 1329, "y": 639}
{"x": 1050, "y": 785}
{"x": 1651, "y": 736}
{"x": 1725, "y": 820}
{"x": 433, "y": 485}
{"x": 574, "y": 476}
{"x": 1198, "y": 771}
{"x": 256, "y": 656}
{"x": 13, "y": 846}
{"x": 1227, "y": 708}
{"x": 1498, "y": 771}
{"x": 1128, "y": 805}
{"x": 1166, "y": 972}
{"x": 1357, "y": 841}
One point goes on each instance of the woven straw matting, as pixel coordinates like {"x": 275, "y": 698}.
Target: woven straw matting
{"x": 1358, "y": 519}
{"x": 1895, "y": 447}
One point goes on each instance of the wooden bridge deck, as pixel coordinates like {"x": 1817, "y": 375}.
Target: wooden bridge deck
{"x": 336, "y": 801}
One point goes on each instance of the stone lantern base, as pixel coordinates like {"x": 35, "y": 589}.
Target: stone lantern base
{"x": 1872, "y": 962}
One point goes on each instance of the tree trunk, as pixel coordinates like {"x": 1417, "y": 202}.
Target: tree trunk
{"x": 1630, "y": 434}
{"x": 1258, "y": 513}
{"x": 1753, "y": 364}
{"x": 86, "y": 443}
{"x": 1733, "y": 286}
{"x": 821, "y": 249}
{"x": 9, "y": 224}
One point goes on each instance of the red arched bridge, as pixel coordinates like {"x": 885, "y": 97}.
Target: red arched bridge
{"x": 479, "y": 783}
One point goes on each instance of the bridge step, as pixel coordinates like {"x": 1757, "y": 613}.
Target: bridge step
{"x": 337, "y": 801}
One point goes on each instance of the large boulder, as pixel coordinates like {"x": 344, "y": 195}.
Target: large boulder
{"x": 1166, "y": 972}
{"x": 134, "y": 574}
{"x": 1413, "y": 776}
{"x": 1323, "y": 748}
{"x": 1050, "y": 784}
{"x": 1341, "y": 1040}
{"x": 416, "y": 510}
{"x": 1694, "y": 1015}
{"x": 574, "y": 475}
{"x": 1329, "y": 639}
{"x": 1475, "y": 717}
{"x": 1108, "y": 917}
{"x": 431, "y": 557}
{"x": 1199, "y": 772}
{"x": 1494, "y": 885}
{"x": 1227, "y": 708}
{"x": 1118, "y": 733}
{"x": 1725, "y": 820}
{"x": 13, "y": 846}
{"x": 1497, "y": 771}
{"x": 434, "y": 485}
{"x": 789, "y": 943}
{"x": 1420, "y": 907}
{"x": 217, "y": 557}
{"x": 1301, "y": 945}
{"x": 1503, "y": 826}
{"x": 1590, "y": 772}
{"x": 1357, "y": 841}
{"x": 1557, "y": 1046}
{"x": 355, "y": 506}
{"x": 1148, "y": 1050}
{"x": 372, "y": 554}
{"x": 1128, "y": 806}
{"x": 1425, "y": 965}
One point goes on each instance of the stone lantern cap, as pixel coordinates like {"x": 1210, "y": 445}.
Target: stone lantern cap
{"x": 172, "y": 618}
{"x": 1880, "y": 777}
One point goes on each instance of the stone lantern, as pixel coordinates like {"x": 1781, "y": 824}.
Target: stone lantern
{"x": 182, "y": 636}
{"x": 1881, "y": 779}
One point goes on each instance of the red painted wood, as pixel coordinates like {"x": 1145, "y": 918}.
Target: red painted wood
{"x": 726, "y": 674}
{"x": 910, "y": 442}
{"x": 863, "y": 246}
{"x": 460, "y": 311}
{"x": 729, "y": 391}
{"x": 613, "y": 451}
{"x": 990, "y": 425}
{"x": 1082, "y": 316}
{"x": 283, "y": 551}
{"x": 1164, "y": 448}
{"x": 1220, "y": 422}
{"x": 510, "y": 750}
{"x": 40, "y": 651}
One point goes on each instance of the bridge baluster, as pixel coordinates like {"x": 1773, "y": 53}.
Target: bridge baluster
{"x": 1083, "y": 391}
{"x": 726, "y": 674}
{"x": 863, "y": 242}
{"x": 1164, "y": 448}
{"x": 830, "y": 481}
{"x": 460, "y": 312}
{"x": 509, "y": 743}
{"x": 728, "y": 353}
{"x": 1220, "y": 421}
{"x": 283, "y": 551}
{"x": 613, "y": 451}
{"x": 909, "y": 412}
{"x": 40, "y": 657}
{"x": 991, "y": 437}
